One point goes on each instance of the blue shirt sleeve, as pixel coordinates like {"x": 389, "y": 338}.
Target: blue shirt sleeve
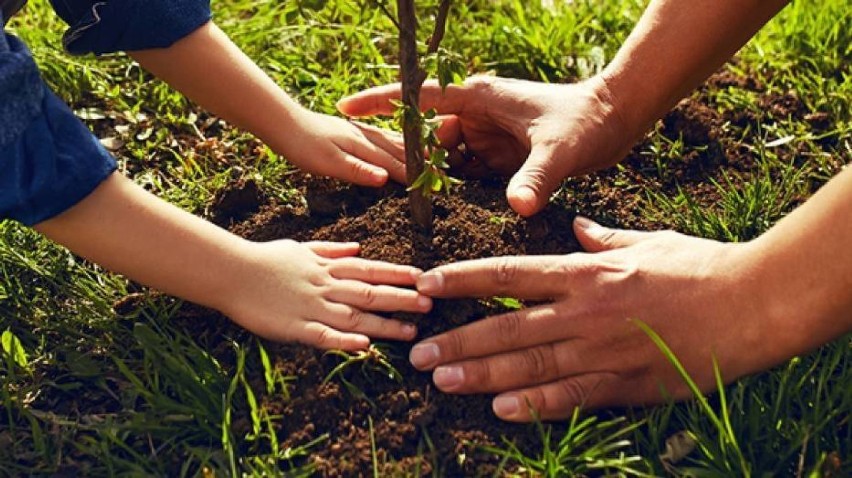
{"x": 49, "y": 160}
{"x": 106, "y": 26}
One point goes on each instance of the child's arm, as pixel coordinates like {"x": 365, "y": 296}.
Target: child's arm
{"x": 208, "y": 68}
{"x": 314, "y": 293}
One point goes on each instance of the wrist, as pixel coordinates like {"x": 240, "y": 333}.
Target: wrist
{"x": 756, "y": 308}
{"x": 788, "y": 307}
{"x": 633, "y": 104}
{"x": 233, "y": 278}
{"x": 620, "y": 128}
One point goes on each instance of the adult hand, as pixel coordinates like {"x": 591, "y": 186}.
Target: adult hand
{"x": 583, "y": 347}
{"x": 539, "y": 132}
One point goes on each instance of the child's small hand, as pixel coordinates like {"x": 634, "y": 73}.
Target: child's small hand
{"x": 354, "y": 152}
{"x": 319, "y": 294}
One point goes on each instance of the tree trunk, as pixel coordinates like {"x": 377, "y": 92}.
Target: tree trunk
{"x": 412, "y": 77}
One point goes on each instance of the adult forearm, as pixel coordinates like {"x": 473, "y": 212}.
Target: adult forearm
{"x": 803, "y": 269}
{"x": 211, "y": 70}
{"x": 127, "y": 230}
{"x": 676, "y": 45}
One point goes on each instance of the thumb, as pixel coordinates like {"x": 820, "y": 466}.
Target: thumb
{"x": 530, "y": 188}
{"x": 596, "y": 238}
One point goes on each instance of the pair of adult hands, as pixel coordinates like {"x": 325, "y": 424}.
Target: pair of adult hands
{"x": 582, "y": 347}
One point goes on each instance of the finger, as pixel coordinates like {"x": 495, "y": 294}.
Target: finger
{"x": 513, "y": 331}
{"x": 374, "y": 272}
{"x": 379, "y": 100}
{"x": 324, "y": 337}
{"x": 530, "y": 188}
{"x": 555, "y": 400}
{"x": 333, "y": 250}
{"x": 358, "y": 171}
{"x": 382, "y": 148}
{"x": 511, "y": 371}
{"x": 530, "y": 277}
{"x": 377, "y": 297}
{"x": 349, "y": 319}
{"x": 450, "y": 132}
{"x": 596, "y": 238}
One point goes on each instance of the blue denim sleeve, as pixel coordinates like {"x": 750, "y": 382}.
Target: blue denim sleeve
{"x": 49, "y": 160}
{"x": 106, "y": 26}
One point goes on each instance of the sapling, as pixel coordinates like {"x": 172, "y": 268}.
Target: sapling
{"x": 425, "y": 161}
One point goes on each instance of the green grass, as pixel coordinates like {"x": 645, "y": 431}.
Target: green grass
{"x": 86, "y": 391}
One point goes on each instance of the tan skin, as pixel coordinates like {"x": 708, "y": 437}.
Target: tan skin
{"x": 245, "y": 96}
{"x": 543, "y": 133}
{"x": 749, "y": 305}
{"x": 315, "y": 293}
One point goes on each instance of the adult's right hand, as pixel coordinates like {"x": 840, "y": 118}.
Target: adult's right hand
{"x": 541, "y": 133}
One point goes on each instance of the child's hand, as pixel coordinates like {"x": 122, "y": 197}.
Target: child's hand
{"x": 208, "y": 68}
{"x": 353, "y": 152}
{"x": 318, "y": 294}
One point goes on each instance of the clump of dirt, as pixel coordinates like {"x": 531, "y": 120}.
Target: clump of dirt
{"x": 236, "y": 203}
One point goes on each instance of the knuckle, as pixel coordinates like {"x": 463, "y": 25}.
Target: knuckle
{"x": 369, "y": 296}
{"x": 357, "y": 169}
{"x": 478, "y": 373}
{"x": 572, "y": 393}
{"x": 456, "y": 344}
{"x": 324, "y": 339}
{"x": 607, "y": 237}
{"x": 508, "y": 328}
{"x": 538, "y": 363}
{"x": 355, "y": 319}
{"x": 505, "y": 272}
{"x": 482, "y": 83}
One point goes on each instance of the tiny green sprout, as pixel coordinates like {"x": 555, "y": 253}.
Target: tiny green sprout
{"x": 371, "y": 362}
{"x": 501, "y": 221}
{"x": 509, "y": 303}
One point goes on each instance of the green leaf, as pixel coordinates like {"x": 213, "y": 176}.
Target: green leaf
{"x": 509, "y": 303}
{"x": 419, "y": 182}
{"x": 436, "y": 184}
{"x": 14, "y": 349}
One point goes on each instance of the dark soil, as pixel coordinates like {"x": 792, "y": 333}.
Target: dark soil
{"x": 474, "y": 222}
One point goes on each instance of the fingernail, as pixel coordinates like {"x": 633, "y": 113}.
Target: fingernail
{"x": 506, "y": 406}
{"x": 524, "y": 194}
{"x": 430, "y": 283}
{"x": 586, "y": 223}
{"x": 424, "y": 355}
{"x": 424, "y": 303}
{"x": 415, "y": 274}
{"x": 379, "y": 175}
{"x": 409, "y": 330}
{"x": 448, "y": 378}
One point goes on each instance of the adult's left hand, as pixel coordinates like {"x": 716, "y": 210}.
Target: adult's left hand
{"x": 583, "y": 346}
